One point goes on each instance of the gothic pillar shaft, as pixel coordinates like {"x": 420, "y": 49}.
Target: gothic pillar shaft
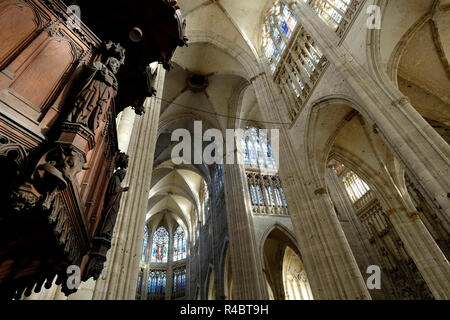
{"x": 119, "y": 277}
{"x": 356, "y": 235}
{"x": 248, "y": 280}
{"x": 420, "y": 245}
{"x": 411, "y": 139}
{"x": 329, "y": 262}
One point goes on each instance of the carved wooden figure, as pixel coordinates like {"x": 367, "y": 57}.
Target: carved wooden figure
{"x": 99, "y": 90}
{"x": 112, "y": 204}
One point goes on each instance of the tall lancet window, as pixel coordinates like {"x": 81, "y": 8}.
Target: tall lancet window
{"x": 279, "y": 25}
{"x": 355, "y": 186}
{"x": 160, "y": 244}
{"x": 218, "y": 179}
{"x": 264, "y": 184}
{"x": 293, "y": 57}
{"x": 157, "y": 282}
{"x": 337, "y": 13}
{"x": 256, "y": 149}
{"x": 179, "y": 245}
{"x": 179, "y": 280}
{"x": 144, "y": 244}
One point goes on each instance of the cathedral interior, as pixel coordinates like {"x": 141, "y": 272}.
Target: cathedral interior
{"x": 340, "y": 188}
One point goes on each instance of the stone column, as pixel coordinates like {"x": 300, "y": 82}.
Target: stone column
{"x": 355, "y": 233}
{"x": 422, "y": 151}
{"x": 248, "y": 278}
{"x": 328, "y": 259}
{"x": 118, "y": 280}
{"x": 125, "y": 128}
{"x": 420, "y": 245}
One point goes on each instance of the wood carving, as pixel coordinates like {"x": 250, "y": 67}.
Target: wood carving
{"x": 100, "y": 88}
{"x": 56, "y": 169}
{"x": 62, "y": 95}
{"x": 103, "y": 234}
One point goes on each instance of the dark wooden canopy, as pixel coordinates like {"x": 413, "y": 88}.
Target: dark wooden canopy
{"x": 161, "y": 28}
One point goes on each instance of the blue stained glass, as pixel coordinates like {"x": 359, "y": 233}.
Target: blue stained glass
{"x": 220, "y": 176}
{"x": 260, "y": 197}
{"x": 253, "y": 194}
{"x": 139, "y": 285}
{"x": 283, "y": 197}
{"x": 278, "y": 197}
{"x": 257, "y": 149}
{"x": 284, "y": 27}
{"x": 144, "y": 244}
{"x": 279, "y": 16}
{"x": 269, "y": 196}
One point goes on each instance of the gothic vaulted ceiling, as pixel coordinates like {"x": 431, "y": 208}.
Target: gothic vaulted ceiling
{"x": 415, "y": 46}
{"x": 238, "y": 21}
{"x": 208, "y": 84}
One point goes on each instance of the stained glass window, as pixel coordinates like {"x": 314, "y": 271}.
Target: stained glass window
{"x": 257, "y": 149}
{"x": 179, "y": 280}
{"x": 266, "y": 192}
{"x": 160, "y": 243}
{"x": 179, "y": 245}
{"x": 157, "y": 282}
{"x": 260, "y": 196}
{"x": 144, "y": 244}
{"x": 283, "y": 197}
{"x": 278, "y": 198}
{"x": 269, "y": 196}
{"x": 355, "y": 186}
{"x": 331, "y": 11}
{"x": 140, "y": 277}
{"x": 278, "y": 28}
{"x": 253, "y": 195}
{"x": 218, "y": 179}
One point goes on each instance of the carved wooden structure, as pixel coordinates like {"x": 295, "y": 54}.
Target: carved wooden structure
{"x": 55, "y": 170}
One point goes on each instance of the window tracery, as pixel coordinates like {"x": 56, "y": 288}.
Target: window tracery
{"x": 279, "y": 26}
{"x": 157, "y": 283}
{"x": 179, "y": 245}
{"x": 157, "y": 266}
{"x": 144, "y": 244}
{"x": 272, "y": 199}
{"x": 160, "y": 243}
{"x": 338, "y": 14}
{"x": 292, "y": 55}
{"x": 264, "y": 184}
{"x": 355, "y": 186}
{"x": 179, "y": 281}
{"x": 218, "y": 179}
{"x": 257, "y": 149}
